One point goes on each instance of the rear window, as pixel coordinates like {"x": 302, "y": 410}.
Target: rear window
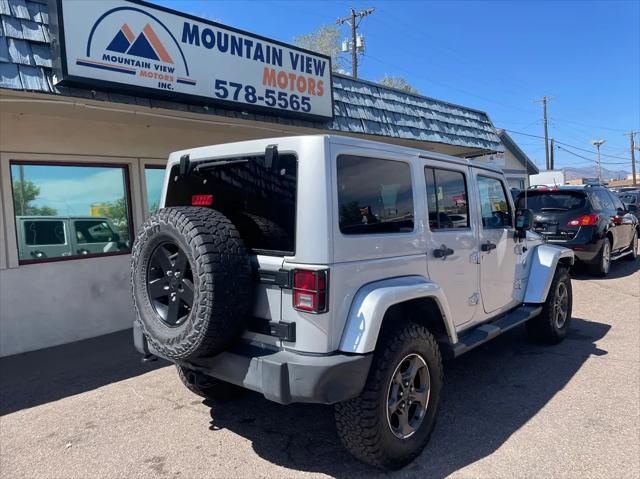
{"x": 628, "y": 198}
{"x": 260, "y": 200}
{"x": 552, "y": 200}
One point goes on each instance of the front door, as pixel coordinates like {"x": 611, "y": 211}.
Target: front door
{"x": 498, "y": 258}
{"x": 452, "y": 248}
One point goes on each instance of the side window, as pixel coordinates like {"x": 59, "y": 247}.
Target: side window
{"x": 44, "y": 232}
{"x": 494, "y": 206}
{"x": 58, "y": 204}
{"x": 94, "y": 231}
{"x": 374, "y": 196}
{"x": 605, "y": 199}
{"x": 446, "y": 199}
{"x": 617, "y": 204}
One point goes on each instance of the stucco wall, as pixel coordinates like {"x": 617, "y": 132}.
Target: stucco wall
{"x": 54, "y": 303}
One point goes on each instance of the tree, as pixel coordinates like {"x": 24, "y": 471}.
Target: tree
{"x": 118, "y": 213}
{"x": 398, "y": 83}
{"x": 325, "y": 40}
{"x": 24, "y": 192}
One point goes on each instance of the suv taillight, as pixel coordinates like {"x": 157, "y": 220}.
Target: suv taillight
{"x": 310, "y": 290}
{"x": 585, "y": 220}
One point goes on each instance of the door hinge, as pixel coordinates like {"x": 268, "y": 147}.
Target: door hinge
{"x": 474, "y": 258}
{"x": 517, "y": 284}
{"x": 474, "y": 299}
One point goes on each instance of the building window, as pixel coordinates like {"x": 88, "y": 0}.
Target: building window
{"x": 374, "y": 196}
{"x": 153, "y": 177}
{"x": 446, "y": 199}
{"x": 70, "y": 210}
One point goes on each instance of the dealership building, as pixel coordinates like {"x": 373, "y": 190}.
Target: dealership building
{"x": 93, "y": 98}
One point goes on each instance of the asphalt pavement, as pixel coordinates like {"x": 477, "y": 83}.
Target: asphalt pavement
{"x": 511, "y": 408}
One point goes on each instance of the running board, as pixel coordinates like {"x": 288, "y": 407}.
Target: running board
{"x": 621, "y": 255}
{"x": 485, "y": 332}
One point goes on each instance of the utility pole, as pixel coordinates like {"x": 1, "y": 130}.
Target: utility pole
{"x": 353, "y": 21}
{"x": 544, "y": 101}
{"x": 598, "y": 144}
{"x": 631, "y": 136}
{"x": 551, "y": 162}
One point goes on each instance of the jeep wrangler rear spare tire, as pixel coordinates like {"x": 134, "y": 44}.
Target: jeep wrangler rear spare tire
{"x": 191, "y": 279}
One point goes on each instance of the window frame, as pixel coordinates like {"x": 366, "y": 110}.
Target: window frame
{"x": 507, "y": 197}
{"x": 124, "y": 166}
{"x": 466, "y": 192}
{"x": 412, "y": 183}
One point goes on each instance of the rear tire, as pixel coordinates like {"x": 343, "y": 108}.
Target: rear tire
{"x": 374, "y": 425}
{"x": 206, "y": 386}
{"x": 553, "y": 323}
{"x": 634, "y": 247}
{"x": 603, "y": 262}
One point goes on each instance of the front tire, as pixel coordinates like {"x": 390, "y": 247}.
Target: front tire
{"x": 391, "y": 421}
{"x": 553, "y": 323}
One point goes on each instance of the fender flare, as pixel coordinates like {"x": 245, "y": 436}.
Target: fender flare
{"x": 544, "y": 260}
{"x": 371, "y": 302}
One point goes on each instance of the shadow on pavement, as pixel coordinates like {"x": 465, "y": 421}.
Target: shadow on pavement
{"x": 39, "y": 377}
{"x": 489, "y": 394}
{"x": 619, "y": 269}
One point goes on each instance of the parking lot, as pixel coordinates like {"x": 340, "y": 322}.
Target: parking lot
{"x": 510, "y": 409}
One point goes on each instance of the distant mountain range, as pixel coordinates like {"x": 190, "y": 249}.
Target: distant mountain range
{"x": 591, "y": 172}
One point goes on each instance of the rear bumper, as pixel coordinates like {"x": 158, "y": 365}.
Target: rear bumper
{"x": 586, "y": 244}
{"x": 281, "y": 376}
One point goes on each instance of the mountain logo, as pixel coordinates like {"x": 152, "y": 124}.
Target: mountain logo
{"x": 129, "y": 41}
{"x": 146, "y": 45}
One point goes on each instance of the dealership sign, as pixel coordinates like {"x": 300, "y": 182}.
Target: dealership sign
{"x": 142, "y": 48}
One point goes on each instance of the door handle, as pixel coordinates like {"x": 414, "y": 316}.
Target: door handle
{"x": 442, "y": 252}
{"x": 488, "y": 246}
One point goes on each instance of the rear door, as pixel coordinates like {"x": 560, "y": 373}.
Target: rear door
{"x": 498, "y": 258}
{"x": 615, "y": 222}
{"x": 622, "y": 220}
{"x": 452, "y": 245}
{"x": 555, "y": 211}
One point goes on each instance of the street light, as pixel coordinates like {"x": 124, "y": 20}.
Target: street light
{"x": 598, "y": 144}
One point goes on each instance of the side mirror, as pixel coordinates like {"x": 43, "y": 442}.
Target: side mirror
{"x": 524, "y": 222}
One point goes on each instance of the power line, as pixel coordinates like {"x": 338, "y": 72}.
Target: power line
{"x": 569, "y": 145}
{"x": 585, "y": 158}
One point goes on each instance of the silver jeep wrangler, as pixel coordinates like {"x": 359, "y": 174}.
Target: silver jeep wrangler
{"x": 333, "y": 270}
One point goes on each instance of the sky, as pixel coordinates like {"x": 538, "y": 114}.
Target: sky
{"x": 495, "y": 56}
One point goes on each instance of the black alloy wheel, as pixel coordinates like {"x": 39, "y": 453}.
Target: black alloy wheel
{"x": 408, "y": 396}
{"x": 170, "y": 283}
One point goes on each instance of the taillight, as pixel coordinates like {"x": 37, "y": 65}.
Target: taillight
{"x": 201, "y": 200}
{"x": 310, "y": 290}
{"x": 585, "y": 220}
